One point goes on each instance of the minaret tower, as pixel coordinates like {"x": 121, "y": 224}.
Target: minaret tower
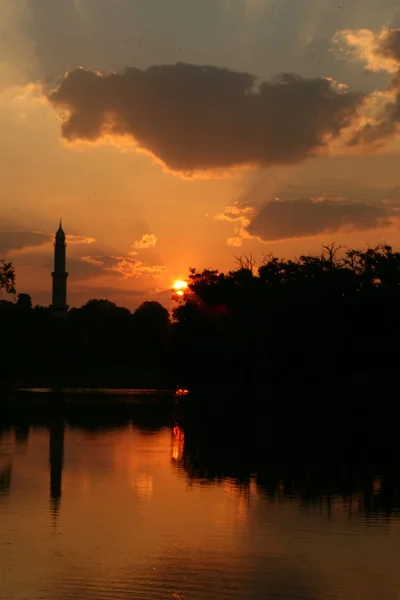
{"x": 59, "y": 306}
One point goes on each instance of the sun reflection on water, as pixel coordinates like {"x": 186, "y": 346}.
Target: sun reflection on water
{"x": 178, "y": 443}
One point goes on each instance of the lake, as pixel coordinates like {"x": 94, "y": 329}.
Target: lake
{"x": 131, "y": 510}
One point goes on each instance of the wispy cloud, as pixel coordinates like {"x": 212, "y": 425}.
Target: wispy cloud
{"x": 21, "y": 240}
{"x": 240, "y": 214}
{"x": 148, "y": 240}
{"x": 378, "y": 51}
{"x": 236, "y": 212}
{"x": 123, "y": 266}
{"x": 80, "y": 239}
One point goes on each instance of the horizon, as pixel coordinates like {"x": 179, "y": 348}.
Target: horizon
{"x": 168, "y": 297}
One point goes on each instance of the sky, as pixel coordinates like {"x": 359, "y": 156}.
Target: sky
{"x": 170, "y": 135}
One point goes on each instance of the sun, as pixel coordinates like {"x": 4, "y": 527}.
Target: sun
{"x": 179, "y": 287}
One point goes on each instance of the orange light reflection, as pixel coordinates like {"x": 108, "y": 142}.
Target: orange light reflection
{"x": 178, "y": 443}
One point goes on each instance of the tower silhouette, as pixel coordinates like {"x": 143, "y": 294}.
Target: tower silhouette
{"x": 59, "y": 306}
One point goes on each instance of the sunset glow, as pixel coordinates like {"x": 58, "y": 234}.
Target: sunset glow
{"x": 180, "y": 287}
{"x": 199, "y": 255}
{"x": 141, "y": 204}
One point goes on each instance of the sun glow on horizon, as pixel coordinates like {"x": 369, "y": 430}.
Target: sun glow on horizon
{"x": 179, "y": 287}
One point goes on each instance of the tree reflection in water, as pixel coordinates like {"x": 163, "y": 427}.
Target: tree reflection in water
{"x": 337, "y": 483}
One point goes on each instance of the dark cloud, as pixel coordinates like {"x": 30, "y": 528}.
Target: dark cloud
{"x": 389, "y": 45}
{"x": 201, "y": 117}
{"x": 82, "y": 270}
{"x": 18, "y": 240}
{"x": 285, "y": 219}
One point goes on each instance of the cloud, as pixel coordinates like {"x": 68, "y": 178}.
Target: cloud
{"x": 122, "y": 266}
{"x": 236, "y": 212}
{"x": 389, "y": 44}
{"x": 148, "y": 240}
{"x": 379, "y": 51}
{"x": 22, "y": 239}
{"x": 383, "y": 125}
{"x": 235, "y": 241}
{"x": 239, "y": 213}
{"x": 80, "y": 239}
{"x": 306, "y": 217}
{"x": 200, "y": 118}
{"x": 19, "y": 240}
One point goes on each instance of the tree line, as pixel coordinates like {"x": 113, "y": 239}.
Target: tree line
{"x": 335, "y": 314}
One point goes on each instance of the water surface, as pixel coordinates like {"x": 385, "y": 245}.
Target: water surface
{"x": 126, "y": 512}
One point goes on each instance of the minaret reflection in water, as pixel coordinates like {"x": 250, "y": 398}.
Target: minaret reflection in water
{"x": 56, "y": 460}
{"x": 21, "y": 436}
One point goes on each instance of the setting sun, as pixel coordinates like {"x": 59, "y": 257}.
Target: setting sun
{"x": 180, "y": 287}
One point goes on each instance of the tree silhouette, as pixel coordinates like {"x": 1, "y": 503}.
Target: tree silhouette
{"x": 292, "y": 316}
{"x": 99, "y": 309}
{"x": 284, "y": 321}
{"x": 152, "y": 315}
{"x": 24, "y": 301}
{"x": 151, "y": 329}
{"x": 7, "y": 277}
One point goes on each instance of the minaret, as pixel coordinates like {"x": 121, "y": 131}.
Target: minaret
{"x": 59, "y": 306}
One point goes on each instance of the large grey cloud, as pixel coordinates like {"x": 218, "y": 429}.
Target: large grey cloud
{"x": 18, "y": 240}
{"x": 305, "y": 217}
{"x": 202, "y": 117}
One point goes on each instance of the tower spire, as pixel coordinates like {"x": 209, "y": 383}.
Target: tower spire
{"x": 59, "y": 306}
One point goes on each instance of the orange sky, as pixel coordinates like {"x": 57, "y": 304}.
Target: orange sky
{"x": 204, "y": 151}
